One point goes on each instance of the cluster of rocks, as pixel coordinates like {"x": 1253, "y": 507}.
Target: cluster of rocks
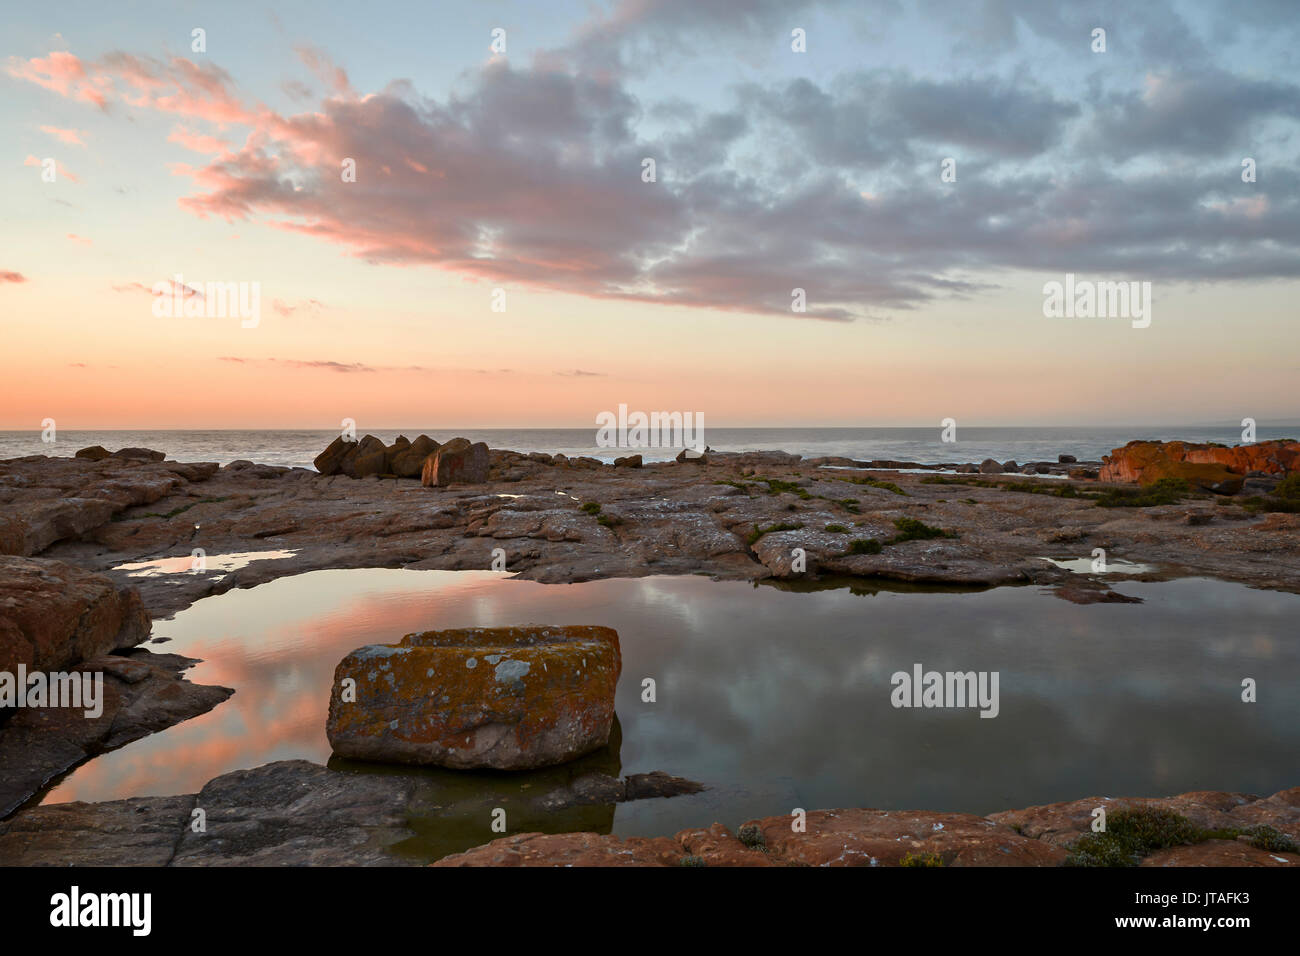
{"x": 506, "y": 698}
{"x": 459, "y": 461}
{"x": 1254, "y": 469}
{"x": 1065, "y": 465}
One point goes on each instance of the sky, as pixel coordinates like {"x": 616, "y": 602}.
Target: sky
{"x": 439, "y": 232}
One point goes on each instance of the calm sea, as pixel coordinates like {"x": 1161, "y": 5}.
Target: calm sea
{"x": 299, "y": 447}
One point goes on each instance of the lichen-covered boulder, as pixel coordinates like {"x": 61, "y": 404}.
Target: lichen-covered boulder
{"x": 507, "y": 698}
{"x": 1131, "y": 463}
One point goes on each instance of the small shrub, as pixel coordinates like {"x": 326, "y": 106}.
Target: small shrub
{"x": 775, "y": 486}
{"x": 692, "y": 861}
{"x": 1264, "y": 837}
{"x": 1166, "y": 491}
{"x": 866, "y": 546}
{"x": 1259, "y": 504}
{"x": 592, "y": 507}
{"x": 752, "y": 836}
{"x": 1131, "y": 834}
{"x": 877, "y": 483}
{"x": 1288, "y": 488}
{"x": 921, "y": 859}
{"x": 837, "y": 529}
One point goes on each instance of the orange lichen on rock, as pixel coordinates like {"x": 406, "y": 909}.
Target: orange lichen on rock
{"x": 1200, "y": 465}
{"x": 509, "y": 698}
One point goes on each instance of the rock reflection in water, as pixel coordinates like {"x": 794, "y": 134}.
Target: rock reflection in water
{"x": 453, "y": 809}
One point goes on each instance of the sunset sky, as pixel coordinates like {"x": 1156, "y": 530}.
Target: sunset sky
{"x": 522, "y": 171}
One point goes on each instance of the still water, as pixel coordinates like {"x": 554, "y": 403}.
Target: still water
{"x": 774, "y": 698}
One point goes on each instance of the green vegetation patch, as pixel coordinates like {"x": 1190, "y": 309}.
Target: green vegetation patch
{"x": 1135, "y": 832}
{"x": 1284, "y": 499}
{"x": 775, "y": 486}
{"x": 921, "y": 859}
{"x": 912, "y": 529}
{"x": 876, "y": 483}
{"x": 866, "y": 546}
{"x": 1030, "y": 487}
{"x": 1166, "y": 491}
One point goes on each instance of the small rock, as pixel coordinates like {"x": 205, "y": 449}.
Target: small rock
{"x": 139, "y": 454}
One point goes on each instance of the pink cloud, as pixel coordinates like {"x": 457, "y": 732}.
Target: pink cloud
{"x": 6, "y": 276}
{"x": 82, "y": 239}
{"x": 198, "y": 142}
{"x": 286, "y": 309}
{"x": 63, "y": 73}
{"x": 179, "y": 86}
{"x": 324, "y": 69}
{"x": 528, "y": 176}
{"x": 171, "y": 287}
{"x": 71, "y": 137}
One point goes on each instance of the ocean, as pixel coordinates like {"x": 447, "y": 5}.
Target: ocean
{"x": 299, "y": 447}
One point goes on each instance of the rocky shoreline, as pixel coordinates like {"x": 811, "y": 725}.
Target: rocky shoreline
{"x": 295, "y": 813}
{"x": 736, "y": 517}
{"x": 70, "y": 524}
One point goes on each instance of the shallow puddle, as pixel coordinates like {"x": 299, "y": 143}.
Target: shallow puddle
{"x": 774, "y": 697}
{"x": 196, "y": 563}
